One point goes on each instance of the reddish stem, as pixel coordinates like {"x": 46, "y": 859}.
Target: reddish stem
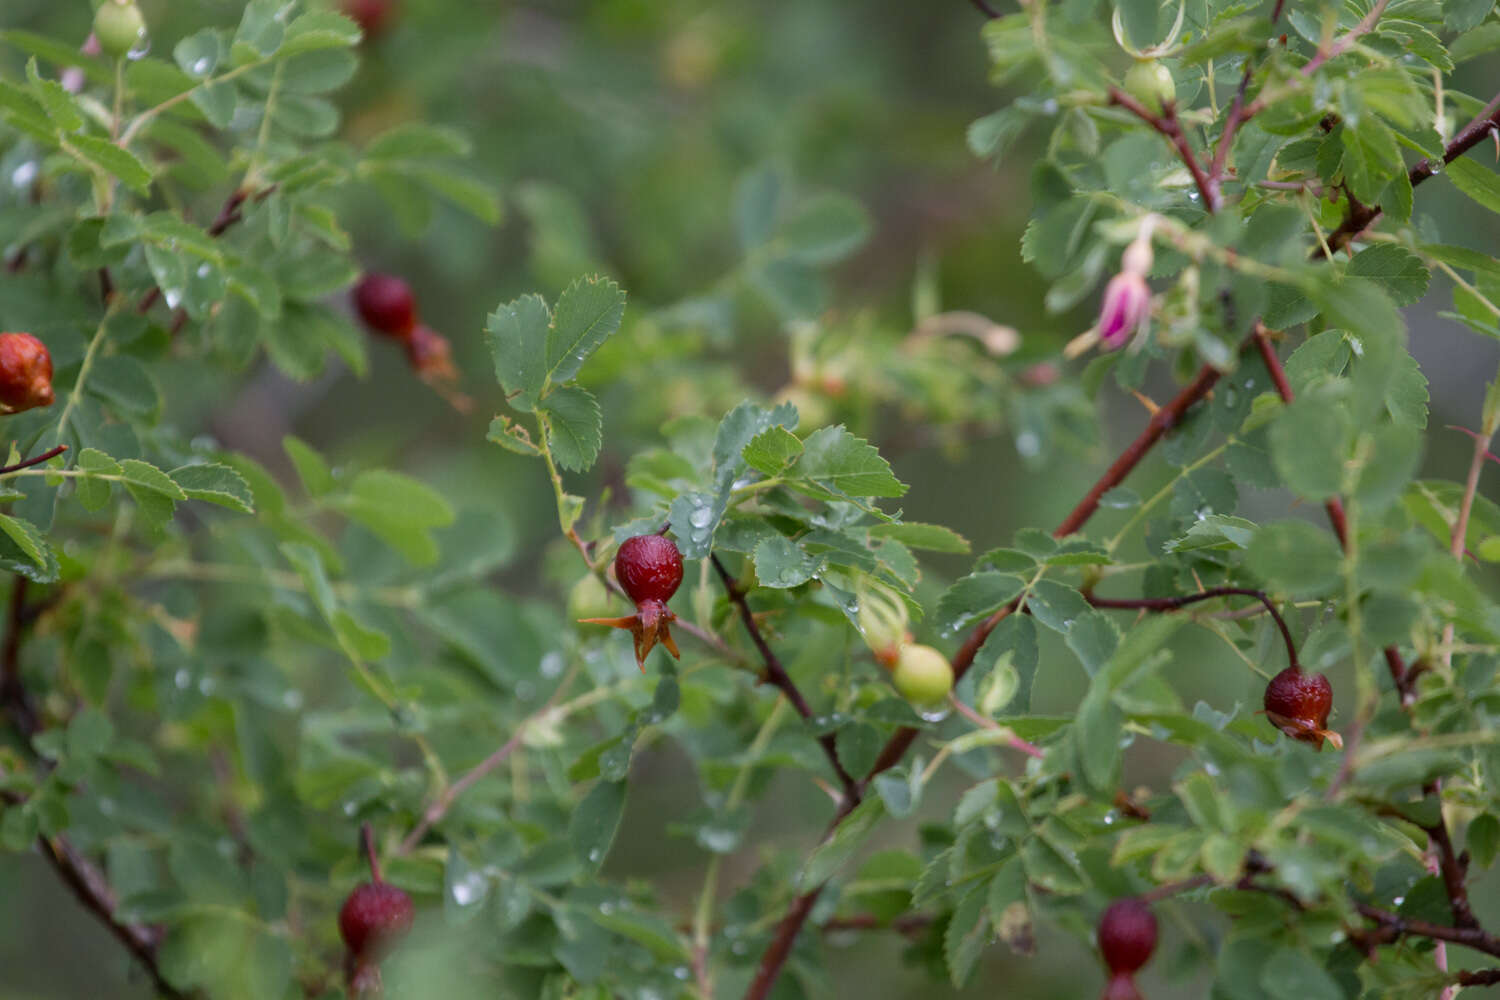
{"x": 45, "y": 456}
{"x": 367, "y": 838}
{"x": 1167, "y": 124}
{"x": 776, "y": 674}
{"x": 1174, "y": 603}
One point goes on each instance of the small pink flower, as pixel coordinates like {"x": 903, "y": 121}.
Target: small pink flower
{"x": 1127, "y": 300}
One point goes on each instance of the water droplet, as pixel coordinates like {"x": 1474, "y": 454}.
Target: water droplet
{"x": 936, "y": 712}
{"x": 596, "y": 855}
{"x": 606, "y": 907}
{"x": 182, "y": 678}
{"x": 468, "y": 889}
{"x": 551, "y": 665}
{"x": 1028, "y": 444}
{"x": 23, "y": 175}
{"x": 1399, "y": 900}
{"x": 141, "y": 47}
{"x": 681, "y": 972}
{"x": 206, "y": 686}
{"x": 173, "y": 297}
{"x": 718, "y": 839}
{"x": 350, "y": 808}
{"x": 791, "y": 575}
{"x": 1249, "y": 383}
{"x": 1109, "y": 818}
{"x": 203, "y": 270}
{"x": 1192, "y": 196}
{"x": 292, "y": 699}
{"x": 107, "y": 806}
{"x": 700, "y": 517}
{"x": 201, "y": 66}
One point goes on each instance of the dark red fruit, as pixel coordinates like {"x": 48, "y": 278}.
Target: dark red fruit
{"x": 372, "y": 16}
{"x": 649, "y": 567}
{"x": 1298, "y": 703}
{"x": 374, "y": 917}
{"x": 25, "y": 372}
{"x": 386, "y": 304}
{"x": 1127, "y": 935}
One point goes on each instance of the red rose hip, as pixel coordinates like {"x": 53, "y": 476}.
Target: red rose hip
{"x": 1127, "y": 935}
{"x": 372, "y": 16}
{"x": 25, "y": 372}
{"x": 374, "y": 917}
{"x": 386, "y": 304}
{"x": 649, "y": 567}
{"x": 1298, "y": 704}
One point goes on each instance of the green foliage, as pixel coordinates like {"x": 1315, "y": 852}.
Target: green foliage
{"x": 230, "y": 646}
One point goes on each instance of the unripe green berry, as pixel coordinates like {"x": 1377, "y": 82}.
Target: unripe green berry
{"x": 922, "y": 675}
{"x": 1149, "y": 82}
{"x": 589, "y": 598}
{"x": 119, "y": 26}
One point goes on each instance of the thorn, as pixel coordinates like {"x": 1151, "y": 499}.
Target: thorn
{"x": 1145, "y": 401}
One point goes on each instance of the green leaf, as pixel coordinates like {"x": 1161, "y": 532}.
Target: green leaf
{"x": 400, "y": 510}
{"x": 153, "y": 490}
{"x": 1291, "y": 974}
{"x": 1399, "y": 271}
{"x": 842, "y": 465}
{"x": 1093, "y": 639}
{"x": 588, "y": 312}
{"x": 931, "y": 537}
{"x": 1483, "y": 839}
{"x": 418, "y": 141}
{"x": 757, "y": 196}
{"x": 317, "y": 478}
{"x": 517, "y": 335}
{"x": 575, "y": 427}
{"x": 24, "y": 536}
{"x": 113, "y": 160}
{"x": 966, "y": 935}
{"x": 59, "y": 105}
{"x": 93, "y": 493}
{"x": 1295, "y": 558}
{"x": 772, "y": 451}
{"x": 825, "y": 229}
{"x": 1479, "y": 183}
{"x": 974, "y": 597}
{"x": 594, "y": 823}
{"x": 1310, "y": 444}
{"x": 318, "y": 29}
{"x": 215, "y": 483}
{"x": 838, "y": 849}
{"x": 781, "y": 563}
{"x": 1394, "y": 455}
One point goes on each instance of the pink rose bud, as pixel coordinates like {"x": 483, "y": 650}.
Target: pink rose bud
{"x": 1127, "y": 300}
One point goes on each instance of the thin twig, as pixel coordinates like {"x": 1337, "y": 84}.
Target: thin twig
{"x": 439, "y": 806}
{"x": 986, "y": 9}
{"x": 1169, "y": 127}
{"x": 1346, "y": 41}
{"x": 776, "y": 674}
{"x": 1174, "y": 603}
{"x": 983, "y": 722}
{"x": 45, "y": 456}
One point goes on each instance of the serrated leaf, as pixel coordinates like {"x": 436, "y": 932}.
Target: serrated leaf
{"x": 588, "y": 312}
{"x": 964, "y": 938}
{"x": 1295, "y": 558}
{"x": 974, "y": 597}
{"x": 93, "y": 493}
{"x": 24, "y": 536}
{"x": 843, "y": 465}
{"x": 1399, "y": 271}
{"x": 839, "y": 848}
{"x": 214, "y": 483}
{"x": 153, "y": 490}
{"x": 772, "y": 451}
{"x": 318, "y": 29}
{"x": 575, "y": 427}
{"x": 118, "y": 163}
{"x": 781, "y": 563}
{"x": 931, "y": 537}
{"x": 1478, "y": 182}
{"x": 517, "y": 334}
{"x": 825, "y": 229}
{"x": 400, "y": 510}
{"x": 317, "y": 478}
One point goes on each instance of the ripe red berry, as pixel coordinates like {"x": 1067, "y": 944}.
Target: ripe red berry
{"x": 372, "y": 16}
{"x": 1298, "y": 703}
{"x": 386, "y": 304}
{"x": 649, "y": 567}
{"x": 25, "y": 372}
{"x": 1127, "y": 935}
{"x": 374, "y": 917}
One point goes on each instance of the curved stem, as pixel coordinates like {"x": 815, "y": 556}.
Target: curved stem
{"x": 1174, "y": 603}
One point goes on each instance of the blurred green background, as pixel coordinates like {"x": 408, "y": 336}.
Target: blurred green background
{"x": 616, "y": 130}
